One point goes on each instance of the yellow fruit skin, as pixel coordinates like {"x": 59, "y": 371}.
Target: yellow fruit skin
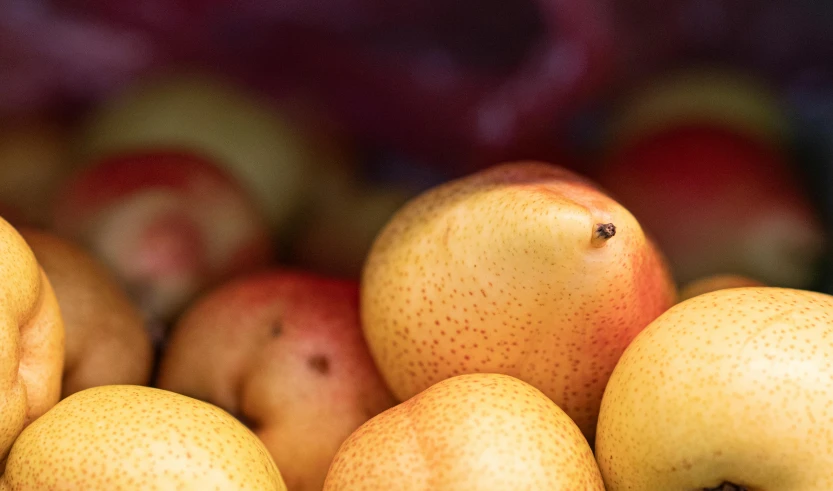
{"x": 31, "y": 339}
{"x": 136, "y": 437}
{"x": 496, "y": 272}
{"x": 733, "y": 385}
{"x": 106, "y": 339}
{"x": 475, "y": 432}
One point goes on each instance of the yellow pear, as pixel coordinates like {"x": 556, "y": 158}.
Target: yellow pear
{"x": 729, "y": 390}
{"x": 474, "y": 432}
{"x": 525, "y": 269}
{"x": 106, "y": 339}
{"x": 136, "y": 437}
{"x": 31, "y": 338}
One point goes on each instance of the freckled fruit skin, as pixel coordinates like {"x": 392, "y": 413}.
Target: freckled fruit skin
{"x": 732, "y": 385}
{"x": 136, "y": 437}
{"x": 715, "y": 282}
{"x": 106, "y": 341}
{"x": 496, "y": 272}
{"x": 473, "y": 432}
{"x": 31, "y": 339}
{"x": 284, "y": 351}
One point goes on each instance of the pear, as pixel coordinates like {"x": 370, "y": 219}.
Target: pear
{"x": 31, "y": 339}
{"x": 729, "y": 390}
{"x": 106, "y": 339}
{"x": 525, "y": 269}
{"x": 283, "y": 351}
{"x": 474, "y": 432}
{"x": 136, "y": 437}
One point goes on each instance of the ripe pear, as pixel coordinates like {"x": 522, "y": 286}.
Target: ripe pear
{"x": 715, "y": 282}
{"x": 283, "y": 351}
{"x": 474, "y": 432}
{"x": 728, "y": 390}
{"x": 718, "y": 202}
{"x": 169, "y": 224}
{"x": 31, "y": 339}
{"x": 136, "y": 437}
{"x": 525, "y": 269}
{"x": 106, "y": 339}
{"x": 270, "y": 149}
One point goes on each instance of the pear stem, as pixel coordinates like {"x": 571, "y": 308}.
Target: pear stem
{"x": 727, "y": 486}
{"x": 601, "y": 233}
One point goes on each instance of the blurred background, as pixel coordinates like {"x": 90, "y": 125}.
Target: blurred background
{"x": 711, "y": 120}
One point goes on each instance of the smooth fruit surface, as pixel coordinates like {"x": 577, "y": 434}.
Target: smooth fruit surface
{"x": 505, "y": 271}
{"x": 31, "y": 338}
{"x": 248, "y": 136}
{"x": 282, "y": 350}
{"x": 134, "y": 437}
{"x": 478, "y": 432}
{"x": 167, "y": 223}
{"x": 719, "y": 202}
{"x": 106, "y": 339}
{"x": 730, "y": 386}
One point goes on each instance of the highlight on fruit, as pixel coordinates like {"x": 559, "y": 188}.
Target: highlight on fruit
{"x": 359, "y": 245}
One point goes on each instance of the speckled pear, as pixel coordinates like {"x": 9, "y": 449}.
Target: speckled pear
{"x": 474, "y": 432}
{"x": 525, "y": 269}
{"x": 135, "y": 437}
{"x": 729, "y": 390}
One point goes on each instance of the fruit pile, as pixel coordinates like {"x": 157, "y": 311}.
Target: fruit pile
{"x": 206, "y": 289}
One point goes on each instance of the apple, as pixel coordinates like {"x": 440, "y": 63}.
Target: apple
{"x": 718, "y": 202}
{"x": 715, "y": 282}
{"x": 106, "y": 339}
{"x": 283, "y": 351}
{"x": 168, "y": 224}
{"x": 700, "y": 94}
{"x": 272, "y": 151}
{"x": 524, "y": 268}
{"x": 728, "y": 390}
{"x": 473, "y": 432}
{"x": 34, "y": 160}
{"x": 136, "y": 437}
{"x": 31, "y": 339}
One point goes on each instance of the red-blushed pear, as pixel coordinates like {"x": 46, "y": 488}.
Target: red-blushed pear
{"x": 274, "y": 148}
{"x": 719, "y": 202}
{"x": 31, "y": 339}
{"x": 473, "y": 432}
{"x": 525, "y": 269}
{"x": 283, "y": 351}
{"x": 169, "y": 224}
{"x": 729, "y": 390}
{"x": 715, "y": 282}
{"x": 106, "y": 339}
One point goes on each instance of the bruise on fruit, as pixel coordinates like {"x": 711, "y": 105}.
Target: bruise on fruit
{"x": 320, "y": 364}
{"x": 277, "y": 330}
{"x": 727, "y": 486}
{"x": 602, "y": 233}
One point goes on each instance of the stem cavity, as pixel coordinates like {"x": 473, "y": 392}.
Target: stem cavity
{"x": 601, "y": 233}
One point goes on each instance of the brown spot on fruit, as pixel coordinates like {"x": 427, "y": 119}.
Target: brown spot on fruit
{"x": 320, "y": 364}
